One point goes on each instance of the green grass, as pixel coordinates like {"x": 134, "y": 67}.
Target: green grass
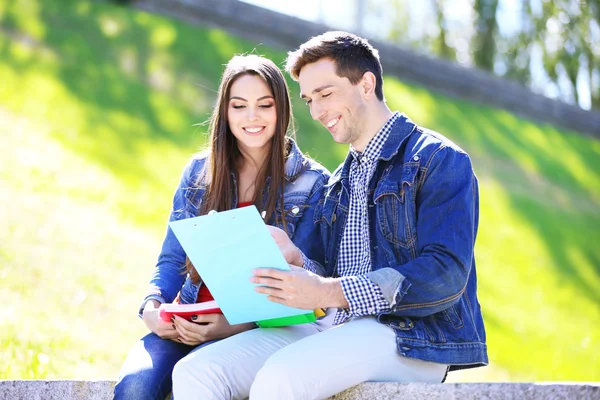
{"x": 98, "y": 106}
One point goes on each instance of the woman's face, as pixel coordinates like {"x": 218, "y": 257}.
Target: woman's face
{"x": 251, "y": 113}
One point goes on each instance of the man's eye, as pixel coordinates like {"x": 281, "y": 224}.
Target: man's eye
{"x": 326, "y": 95}
{"x": 308, "y": 102}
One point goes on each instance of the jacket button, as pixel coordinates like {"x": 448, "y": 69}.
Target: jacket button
{"x": 402, "y": 324}
{"x": 334, "y": 218}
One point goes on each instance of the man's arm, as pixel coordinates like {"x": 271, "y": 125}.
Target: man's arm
{"x": 446, "y": 207}
{"x": 446, "y": 228}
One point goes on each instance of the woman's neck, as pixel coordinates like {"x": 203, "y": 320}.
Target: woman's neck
{"x": 248, "y": 168}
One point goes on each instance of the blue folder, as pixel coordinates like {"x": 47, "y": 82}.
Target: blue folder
{"x": 225, "y": 247}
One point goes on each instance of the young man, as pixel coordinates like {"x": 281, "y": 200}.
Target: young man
{"x": 398, "y": 223}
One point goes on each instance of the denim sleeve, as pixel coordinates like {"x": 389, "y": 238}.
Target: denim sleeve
{"x": 447, "y": 209}
{"x": 308, "y": 234}
{"x": 169, "y": 273}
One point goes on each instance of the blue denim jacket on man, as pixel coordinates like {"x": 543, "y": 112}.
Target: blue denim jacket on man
{"x": 304, "y": 181}
{"x": 423, "y": 210}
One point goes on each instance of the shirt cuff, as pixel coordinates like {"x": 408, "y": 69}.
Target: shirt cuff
{"x": 308, "y": 264}
{"x": 363, "y": 296}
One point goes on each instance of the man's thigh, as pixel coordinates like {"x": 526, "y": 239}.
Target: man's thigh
{"x": 331, "y": 361}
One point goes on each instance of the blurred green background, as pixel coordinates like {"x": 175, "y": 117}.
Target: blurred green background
{"x": 102, "y": 105}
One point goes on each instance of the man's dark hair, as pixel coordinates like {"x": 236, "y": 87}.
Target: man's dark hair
{"x": 352, "y": 55}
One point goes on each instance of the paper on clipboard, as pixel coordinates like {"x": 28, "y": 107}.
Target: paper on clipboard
{"x": 225, "y": 247}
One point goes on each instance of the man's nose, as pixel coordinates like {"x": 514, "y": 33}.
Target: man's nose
{"x": 316, "y": 112}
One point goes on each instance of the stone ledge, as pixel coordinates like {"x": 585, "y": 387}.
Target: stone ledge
{"x": 102, "y": 390}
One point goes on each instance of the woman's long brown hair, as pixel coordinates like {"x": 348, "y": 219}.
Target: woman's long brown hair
{"x": 224, "y": 155}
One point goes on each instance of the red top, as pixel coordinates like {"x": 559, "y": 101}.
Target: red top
{"x": 204, "y": 293}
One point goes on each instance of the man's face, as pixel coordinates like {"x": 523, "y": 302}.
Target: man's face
{"x": 333, "y": 100}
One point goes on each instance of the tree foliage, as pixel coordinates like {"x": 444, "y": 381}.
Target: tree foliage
{"x": 553, "y": 48}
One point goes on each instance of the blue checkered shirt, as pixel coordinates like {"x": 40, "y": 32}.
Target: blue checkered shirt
{"x": 354, "y": 262}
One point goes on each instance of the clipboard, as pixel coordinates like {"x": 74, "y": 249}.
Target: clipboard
{"x": 225, "y": 247}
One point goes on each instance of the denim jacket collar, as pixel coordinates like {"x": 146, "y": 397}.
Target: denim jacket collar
{"x": 399, "y": 132}
{"x": 294, "y": 161}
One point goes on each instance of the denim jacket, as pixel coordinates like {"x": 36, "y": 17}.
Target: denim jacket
{"x": 423, "y": 210}
{"x": 304, "y": 181}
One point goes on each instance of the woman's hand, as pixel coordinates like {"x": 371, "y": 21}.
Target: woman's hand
{"x": 206, "y": 327}
{"x": 165, "y": 330}
{"x": 286, "y": 246}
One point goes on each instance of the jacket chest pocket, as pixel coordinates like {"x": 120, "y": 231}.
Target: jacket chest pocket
{"x": 193, "y": 201}
{"x": 293, "y": 210}
{"x": 395, "y": 208}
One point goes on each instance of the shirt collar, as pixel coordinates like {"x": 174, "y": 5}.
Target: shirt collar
{"x": 375, "y": 145}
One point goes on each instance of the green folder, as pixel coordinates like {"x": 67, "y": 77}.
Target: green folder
{"x": 285, "y": 321}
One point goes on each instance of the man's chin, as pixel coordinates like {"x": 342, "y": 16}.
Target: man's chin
{"x": 339, "y": 138}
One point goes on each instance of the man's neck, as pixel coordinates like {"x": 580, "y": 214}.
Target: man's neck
{"x": 377, "y": 117}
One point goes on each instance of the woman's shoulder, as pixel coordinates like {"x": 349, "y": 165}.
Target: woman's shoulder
{"x": 196, "y": 168}
{"x": 313, "y": 166}
{"x": 299, "y": 163}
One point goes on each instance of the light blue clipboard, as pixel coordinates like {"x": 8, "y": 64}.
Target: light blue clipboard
{"x": 225, "y": 247}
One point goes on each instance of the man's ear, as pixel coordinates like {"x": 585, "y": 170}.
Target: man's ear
{"x": 367, "y": 84}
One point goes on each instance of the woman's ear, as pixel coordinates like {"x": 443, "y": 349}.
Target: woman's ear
{"x": 367, "y": 84}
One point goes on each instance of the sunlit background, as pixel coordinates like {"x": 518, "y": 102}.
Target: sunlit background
{"x": 101, "y": 105}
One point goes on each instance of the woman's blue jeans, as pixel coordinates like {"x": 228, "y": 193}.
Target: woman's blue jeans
{"x": 146, "y": 373}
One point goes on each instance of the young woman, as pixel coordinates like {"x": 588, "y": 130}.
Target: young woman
{"x": 251, "y": 161}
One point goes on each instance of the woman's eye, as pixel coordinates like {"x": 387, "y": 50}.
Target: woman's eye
{"x": 266, "y": 105}
{"x": 237, "y": 106}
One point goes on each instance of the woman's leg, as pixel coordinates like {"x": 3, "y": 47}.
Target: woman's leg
{"x": 146, "y": 373}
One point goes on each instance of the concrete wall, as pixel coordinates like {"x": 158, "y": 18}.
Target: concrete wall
{"x": 102, "y": 390}
{"x": 285, "y": 32}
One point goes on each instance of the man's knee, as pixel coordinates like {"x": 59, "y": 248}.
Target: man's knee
{"x": 278, "y": 379}
{"x": 203, "y": 379}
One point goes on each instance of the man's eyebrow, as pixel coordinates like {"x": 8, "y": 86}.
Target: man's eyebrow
{"x": 317, "y": 90}
{"x": 243, "y": 99}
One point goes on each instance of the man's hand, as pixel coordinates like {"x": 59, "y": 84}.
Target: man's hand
{"x": 165, "y": 330}
{"x": 286, "y": 246}
{"x": 299, "y": 288}
{"x": 206, "y": 327}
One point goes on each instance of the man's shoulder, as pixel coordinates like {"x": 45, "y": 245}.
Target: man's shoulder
{"x": 429, "y": 137}
{"x": 424, "y": 144}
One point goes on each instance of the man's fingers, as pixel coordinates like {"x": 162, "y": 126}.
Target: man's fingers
{"x": 277, "y": 233}
{"x": 276, "y": 299}
{"x": 270, "y": 282}
{"x": 269, "y": 290}
{"x": 270, "y": 273}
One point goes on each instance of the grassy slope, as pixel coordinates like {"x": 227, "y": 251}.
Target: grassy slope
{"x": 97, "y": 111}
